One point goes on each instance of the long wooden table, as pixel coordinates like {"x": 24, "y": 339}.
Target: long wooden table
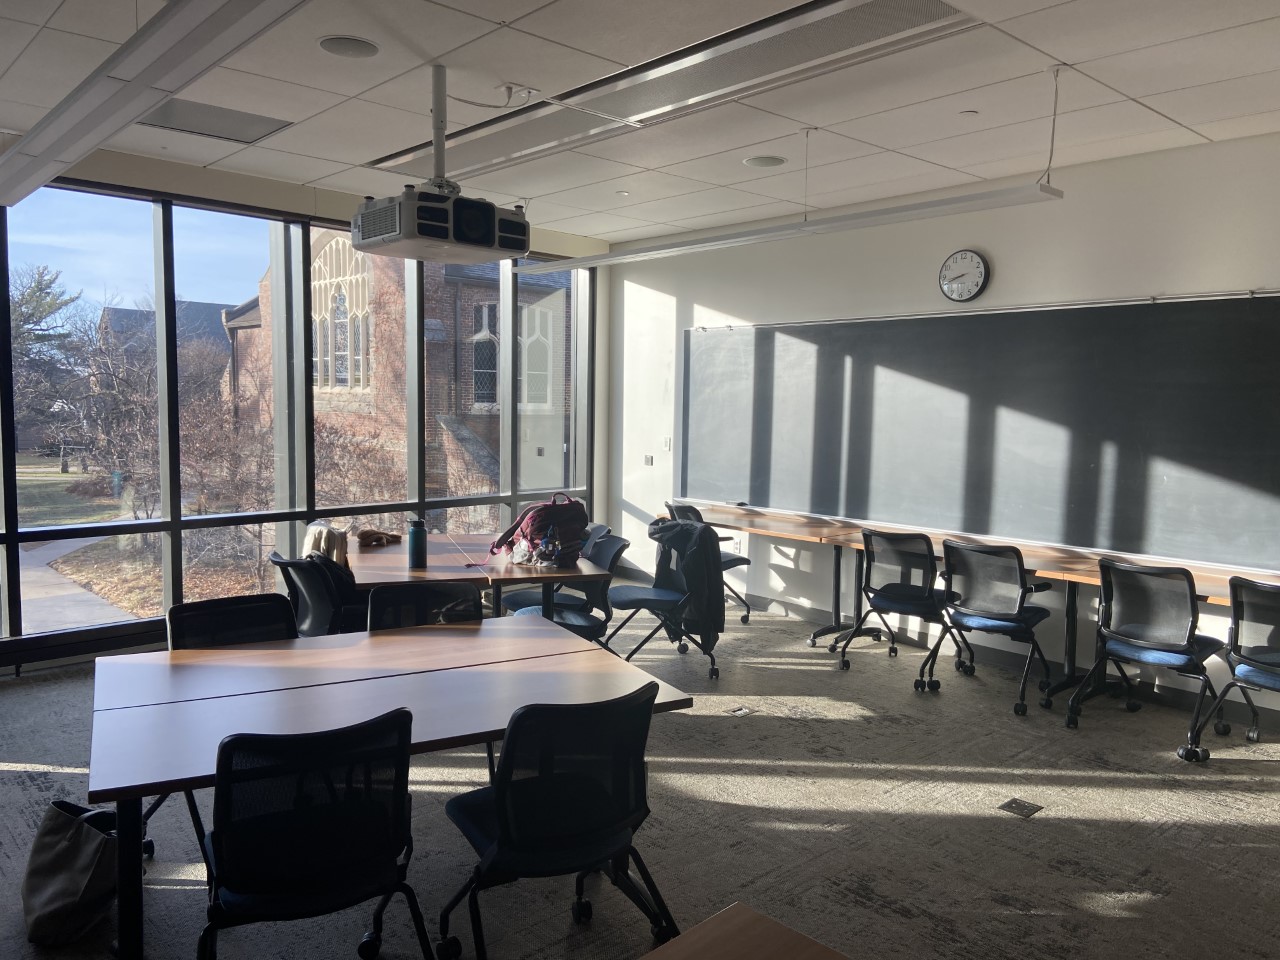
{"x": 465, "y": 557}
{"x": 739, "y": 933}
{"x": 159, "y": 717}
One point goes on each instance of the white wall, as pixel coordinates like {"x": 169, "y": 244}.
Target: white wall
{"x": 1195, "y": 220}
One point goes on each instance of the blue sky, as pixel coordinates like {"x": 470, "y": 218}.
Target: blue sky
{"x": 102, "y": 246}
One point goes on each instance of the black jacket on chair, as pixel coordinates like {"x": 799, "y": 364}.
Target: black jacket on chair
{"x": 697, "y": 573}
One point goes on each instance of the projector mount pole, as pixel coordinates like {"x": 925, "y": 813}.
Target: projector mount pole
{"x": 439, "y": 119}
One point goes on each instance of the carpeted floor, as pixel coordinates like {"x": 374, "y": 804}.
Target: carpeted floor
{"x": 843, "y": 804}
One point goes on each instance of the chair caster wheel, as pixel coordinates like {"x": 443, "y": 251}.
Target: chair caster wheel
{"x": 1222, "y": 728}
{"x": 1045, "y": 685}
{"x": 970, "y": 669}
{"x": 450, "y": 948}
{"x": 844, "y": 663}
{"x": 1133, "y": 706}
{"x": 369, "y": 946}
{"x": 812, "y": 641}
{"x": 919, "y": 684}
{"x": 714, "y": 673}
{"x": 934, "y": 685}
{"x": 1072, "y": 721}
{"x": 959, "y": 666}
{"x": 1047, "y": 703}
{"x": 831, "y": 648}
{"x": 1193, "y": 754}
{"x": 745, "y": 618}
{"x": 581, "y": 911}
{"x": 893, "y": 651}
{"x": 149, "y": 848}
{"x": 682, "y": 647}
{"x": 1020, "y": 709}
{"x": 1252, "y": 735}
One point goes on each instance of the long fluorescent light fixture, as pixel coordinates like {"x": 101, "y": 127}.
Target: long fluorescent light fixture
{"x": 185, "y": 39}
{"x": 968, "y": 202}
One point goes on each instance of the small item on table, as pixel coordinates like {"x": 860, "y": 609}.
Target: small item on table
{"x": 376, "y": 538}
{"x": 417, "y": 545}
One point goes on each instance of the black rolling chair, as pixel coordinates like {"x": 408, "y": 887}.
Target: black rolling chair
{"x": 899, "y": 574}
{"x": 728, "y": 559}
{"x": 308, "y": 824}
{"x": 419, "y": 604}
{"x": 323, "y": 603}
{"x": 1253, "y": 652}
{"x": 570, "y": 598}
{"x": 568, "y": 798}
{"x": 202, "y": 624}
{"x": 590, "y": 624}
{"x": 986, "y": 591}
{"x": 1148, "y": 616}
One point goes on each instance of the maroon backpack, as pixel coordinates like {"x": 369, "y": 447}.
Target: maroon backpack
{"x": 546, "y": 534}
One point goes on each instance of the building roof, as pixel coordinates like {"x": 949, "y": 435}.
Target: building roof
{"x": 197, "y": 320}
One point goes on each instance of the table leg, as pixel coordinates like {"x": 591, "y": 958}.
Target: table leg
{"x": 129, "y": 879}
{"x": 1069, "y": 614}
{"x": 835, "y": 626}
{"x": 548, "y": 599}
{"x": 497, "y": 599}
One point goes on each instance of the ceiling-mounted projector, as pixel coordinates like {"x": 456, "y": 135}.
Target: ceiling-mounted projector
{"x": 421, "y": 224}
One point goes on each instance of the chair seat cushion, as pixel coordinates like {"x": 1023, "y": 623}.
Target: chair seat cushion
{"x": 730, "y": 560}
{"x": 1191, "y": 657}
{"x": 520, "y": 599}
{"x": 583, "y": 624}
{"x": 1258, "y": 677}
{"x": 1014, "y": 629}
{"x": 644, "y": 598}
{"x": 908, "y": 600}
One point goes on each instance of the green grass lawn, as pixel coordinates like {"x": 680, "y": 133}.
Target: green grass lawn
{"x": 43, "y": 498}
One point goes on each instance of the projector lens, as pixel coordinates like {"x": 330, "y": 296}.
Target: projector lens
{"x": 474, "y": 222}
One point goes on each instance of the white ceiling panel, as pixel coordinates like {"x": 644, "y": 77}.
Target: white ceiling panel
{"x": 633, "y": 33}
{"x": 497, "y": 11}
{"x": 876, "y": 168}
{"x": 538, "y": 211}
{"x": 354, "y": 131}
{"x": 960, "y": 62}
{"x": 727, "y": 168}
{"x": 407, "y": 32}
{"x": 998, "y": 104}
{"x": 19, "y": 117}
{"x": 30, "y": 11}
{"x": 715, "y": 200}
{"x": 170, "y": 145}
{"x": 1088, "y": 29}
{"x": 934, "y": 179}
{"x": 593, "y": 224}
{"x": 114, "y": 20}
{"x": 1223, "y": 55}
{"x": 1088, "y": 152}
{"x": 14, "y": 36}
{"x": 638, "y": 187}
{"x": 277, "y": 165}
{"x": 710, "y": 131}
{"x": 363, "y": 182}
{"x": 1221, "y": 101}
{"x": 764, "y": 211}
{"x": 538, "y": 178}
{"x": 640, "y": 233}
{"x": 1250, "y": 126}
{"x": 993, "y": 11}
{"x": 234, "y": 90}
{"x": 51, "y": 66}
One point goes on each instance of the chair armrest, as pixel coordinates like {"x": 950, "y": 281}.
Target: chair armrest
{"x": 724, "y": 539}
{"x": 1040, "y": 586}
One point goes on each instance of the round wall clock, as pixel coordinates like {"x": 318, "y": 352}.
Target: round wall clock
{"x": 964, "y": 275}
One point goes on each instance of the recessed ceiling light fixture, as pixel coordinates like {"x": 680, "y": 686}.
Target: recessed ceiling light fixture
{"x": 968, "y": 113}
{"x": 765, "y": 161}
{"x": 623, "y": 193}
{"x": 353, "y": 48}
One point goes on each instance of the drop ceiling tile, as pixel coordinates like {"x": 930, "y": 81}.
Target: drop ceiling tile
{"x": 633, "y": 33}
{"x": 641, "y": 233}
{"x": 14, "y": 36}
{"x": 993, "y": 11}
{"x": 1031, "y": 164}
{"x": 170, "y": 145}
{"x": 411, "y": 91}
{"x": 727, "y": 167}
{"x": 1250, "y": 126}
{"x": 19, "y": 117}
{"x": 935, "y": 179}
{"x": 235, "y": 90}
{"x": 959, "y": 62}
{"x": 51, "y": 66}
{"x": 407, "y": 32}
{"x": 1223, "y": 55}
{"x": 638, "y": 187}
{"x": 715, "y": 200}
{"x": 362, "y": 182}
{"x": 697, "y": 135}
{"x": 277, "y": 165}
{"x": 764, "y": 211}
{"x": 594, "y": 224}
{"x": 496, "y": 11}
{"x": 30, "y": 11}
{"x": 998, "y": 104}
{"x": 1088, "y": 29}
{"x": 541, "y": 211}
{"x": 354, "y": 131}
{"x": 1088, "y": 152}
{"x": 876, "y": 168}
{"x": 537, "y": 178}
{"x": 114, "y": 20}
{"x": 1241, "y": 97}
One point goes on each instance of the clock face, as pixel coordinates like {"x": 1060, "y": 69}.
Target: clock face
{"x": 964, "y": 275}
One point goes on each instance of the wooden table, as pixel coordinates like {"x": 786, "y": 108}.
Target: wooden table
{"x": 740, "y": 933}
{"x": 465, "y": 557}
{"x": 159, "y": 717}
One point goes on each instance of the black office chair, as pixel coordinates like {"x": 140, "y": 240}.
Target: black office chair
{"x": 687, "y": 595}
{"x": 219, "y": 622}
{"x": 423, "y": 603}
{"x": 323, "y": 602}
{"x": 987, "y": 591}
{"x": 899, "y": 574}
{"x": 567, "y": 597}
{"x": 568, "y": 797}
{"x": 728, "y": 559}
{"x": 308, "y": 824}
{"x": 590, "y": 624}
{"x": 1253, "y": 652}
{"x": 1148, "y": 615}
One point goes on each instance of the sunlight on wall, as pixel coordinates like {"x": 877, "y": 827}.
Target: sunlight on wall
{"x": 1182, "y": 500}
{"x": 1108, "y": 463}
{"x": 794, "y": 403}
{"x": 1031, "y": 462}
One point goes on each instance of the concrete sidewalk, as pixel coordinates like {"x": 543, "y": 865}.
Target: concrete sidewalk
{"x": 51, "y": 601}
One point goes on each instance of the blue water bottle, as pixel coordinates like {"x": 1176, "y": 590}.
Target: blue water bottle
{"x": 417, "y": 545}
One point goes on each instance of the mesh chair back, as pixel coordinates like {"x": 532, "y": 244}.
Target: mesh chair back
{"x": 684, "y": 511}
{"x": 594, "y": 531}
{"x": 422, "y": 604}
{"x": 312, "y": 812}
{"x": 1255, "y": 623}
{"x": 606, "y": 553}
{"x": 902, "y": 561}
{"x": 226, "y": 620}
{"x": 1150, "y": 606}
{"x": 572, "y": 774}
{"x": 315, "y": 600}
{"x": 986, "y": 581}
